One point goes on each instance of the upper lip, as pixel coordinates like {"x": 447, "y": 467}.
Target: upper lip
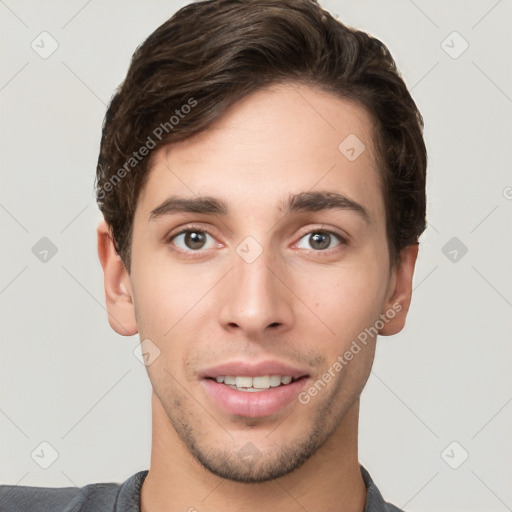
{"x": 252, "y": 369}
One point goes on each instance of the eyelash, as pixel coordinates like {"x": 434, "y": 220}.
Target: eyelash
{"x": 190, "y": 253}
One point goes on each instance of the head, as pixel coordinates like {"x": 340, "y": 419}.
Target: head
{"x": 288, "y": 146}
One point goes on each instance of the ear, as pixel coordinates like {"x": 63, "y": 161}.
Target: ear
{"x": 400, "y": 290}
{"x": 118, "y": 290}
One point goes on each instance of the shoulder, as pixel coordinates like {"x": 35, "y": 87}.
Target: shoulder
{"x": 91, "y": 497}
{"x": 18, "y": 498}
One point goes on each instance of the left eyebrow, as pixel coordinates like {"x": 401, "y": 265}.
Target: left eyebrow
{"x": 323, "y": 200}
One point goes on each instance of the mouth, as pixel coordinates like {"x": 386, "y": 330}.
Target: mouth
{"x": 253, "y": 390}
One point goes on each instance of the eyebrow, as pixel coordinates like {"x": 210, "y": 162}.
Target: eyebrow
{"x": 295, "y": 203}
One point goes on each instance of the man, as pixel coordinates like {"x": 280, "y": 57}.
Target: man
{"x": 262, "y": 181}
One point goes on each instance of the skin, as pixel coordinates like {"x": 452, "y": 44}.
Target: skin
{"x": 295, "y": 303}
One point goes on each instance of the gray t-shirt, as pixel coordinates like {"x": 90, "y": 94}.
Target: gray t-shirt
{"x": 125, "y": 497}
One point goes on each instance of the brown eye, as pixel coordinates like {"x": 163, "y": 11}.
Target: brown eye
{"x": 194, "y": 239}
{"x": 191, "y": 240}
{"x": 320, "y": 240}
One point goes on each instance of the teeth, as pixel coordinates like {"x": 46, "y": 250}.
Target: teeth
{"x": 243, "y": 382}
{"x": 261, "y": 382}
{"x": 254, "y": 383}
{"x": 275, "y": 381}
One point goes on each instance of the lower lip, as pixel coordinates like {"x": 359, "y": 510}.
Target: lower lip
{"x": 253, "y": 404}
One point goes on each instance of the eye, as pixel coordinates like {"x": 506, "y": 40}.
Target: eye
{"x": 192, "y": 240}
{"x": 321, "y": 240}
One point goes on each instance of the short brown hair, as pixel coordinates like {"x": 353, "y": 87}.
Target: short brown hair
{"x": 210, "y": 54}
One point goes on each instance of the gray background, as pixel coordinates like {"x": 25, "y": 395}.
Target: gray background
{"x": 68, "y": 380}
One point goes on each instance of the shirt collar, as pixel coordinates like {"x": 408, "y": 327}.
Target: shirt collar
{"x": 128, "y": 497}
{"x": 374, "y": 500}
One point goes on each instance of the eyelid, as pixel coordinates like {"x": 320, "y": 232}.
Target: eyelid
{"x": 188, "y": 227}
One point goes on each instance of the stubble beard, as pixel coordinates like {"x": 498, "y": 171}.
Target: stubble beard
{"x": 249, "y": 464}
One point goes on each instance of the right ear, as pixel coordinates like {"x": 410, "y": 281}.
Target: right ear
{"x": 118, "y": 289}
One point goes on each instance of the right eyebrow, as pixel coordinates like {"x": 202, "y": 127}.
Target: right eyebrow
{"x": 202, "y": 204}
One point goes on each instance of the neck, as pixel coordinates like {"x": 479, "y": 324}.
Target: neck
{"x": 329, "y": 480}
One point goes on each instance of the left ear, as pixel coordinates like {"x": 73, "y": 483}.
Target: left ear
{"x": 400, "y": 290}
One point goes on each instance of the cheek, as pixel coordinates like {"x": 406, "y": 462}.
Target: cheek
{"x": 166, "y": 292}
{"x": 345, "y": 299}
{"x": 173, "y": 305}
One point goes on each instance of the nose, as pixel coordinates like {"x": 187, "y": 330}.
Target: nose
{"x": 256, "y": 298}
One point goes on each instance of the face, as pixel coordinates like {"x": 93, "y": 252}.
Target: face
{"x": 259, "y": 257}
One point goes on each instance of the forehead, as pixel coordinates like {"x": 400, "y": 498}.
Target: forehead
{"x": 282, "y": 139}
